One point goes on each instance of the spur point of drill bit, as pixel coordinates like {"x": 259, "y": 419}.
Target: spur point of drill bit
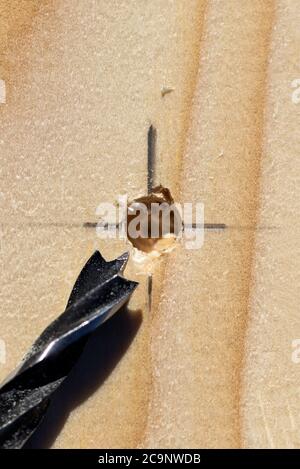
{"x": 98, "y": 293}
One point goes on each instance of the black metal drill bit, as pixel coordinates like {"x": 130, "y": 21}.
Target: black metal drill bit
{"x": 98, "y": 293}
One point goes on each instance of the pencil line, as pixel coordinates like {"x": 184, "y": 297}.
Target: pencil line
{"x": 151, "y": 158}
{"x": 150, "y": 288}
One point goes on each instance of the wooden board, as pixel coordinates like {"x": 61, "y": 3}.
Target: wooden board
{"x": 211, "y": 364}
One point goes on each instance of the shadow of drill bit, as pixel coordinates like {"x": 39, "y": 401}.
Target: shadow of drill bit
{"x": 102, "y": 353}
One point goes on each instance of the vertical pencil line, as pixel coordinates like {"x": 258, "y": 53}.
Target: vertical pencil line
{"x": 151, "y": 157}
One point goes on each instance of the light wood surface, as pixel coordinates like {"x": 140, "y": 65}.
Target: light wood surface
{"x": 211, "y": 364}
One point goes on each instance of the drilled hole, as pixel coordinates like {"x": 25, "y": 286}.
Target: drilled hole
{"x": 155, "y": 220}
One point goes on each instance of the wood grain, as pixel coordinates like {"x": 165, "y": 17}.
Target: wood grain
{"x": 210, "y": 365}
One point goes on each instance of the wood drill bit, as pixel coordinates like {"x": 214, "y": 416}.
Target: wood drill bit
{"x": 98, "y": 293}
